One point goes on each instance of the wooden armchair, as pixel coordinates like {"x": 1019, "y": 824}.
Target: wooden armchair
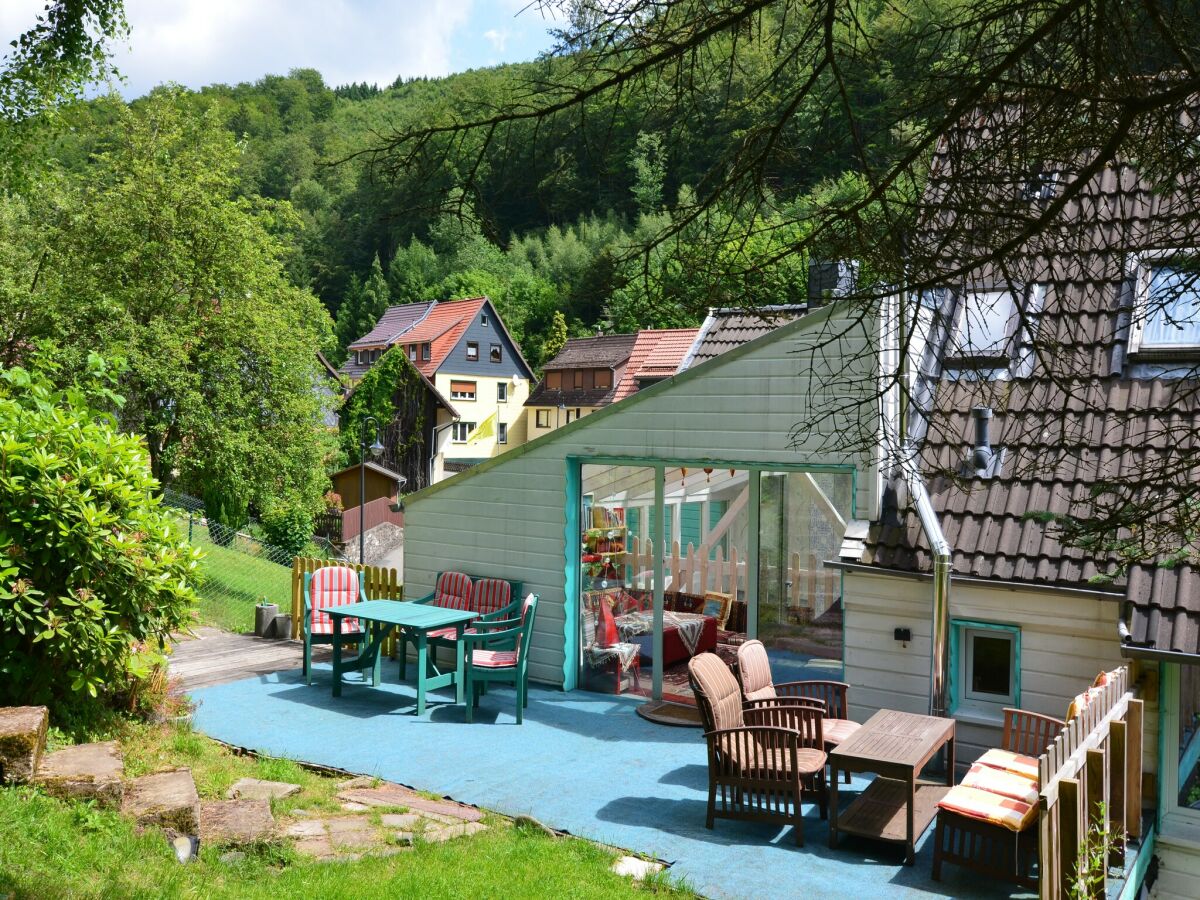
{"x": 326, "y": 587}
{"x": 754, "y": 675}
{"x": 762, "y": 754}
{"x": 488, "y": 659}
{"x": 999, "y": 837}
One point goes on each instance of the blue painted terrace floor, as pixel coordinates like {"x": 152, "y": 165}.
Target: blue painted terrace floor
{"x": 582, "y": 762}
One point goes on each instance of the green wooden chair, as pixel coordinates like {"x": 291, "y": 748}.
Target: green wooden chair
{"x": 326, "y": 587}
{"x": 498, "y": 652}
{"x": 494, "y": 599}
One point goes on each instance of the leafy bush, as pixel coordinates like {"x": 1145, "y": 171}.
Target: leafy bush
{"x": 226, "y": 510}
{"x": 93, "y": 576}
{"x": 288, "y": 527}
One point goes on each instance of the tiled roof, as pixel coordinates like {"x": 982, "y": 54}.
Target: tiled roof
{"x": 1165, "y": 607}
{"x": 394, "y": 321}
{"x": 656, "y": 354}
{"x": 725, "y": 329}
{"x": 544, "y": 396}
{"x": 1073, "y": 419}
{"x": 441, "y": 329}
{"x": 593, "y": 352}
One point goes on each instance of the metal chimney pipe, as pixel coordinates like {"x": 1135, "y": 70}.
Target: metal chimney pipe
{"x": 981, "y": 455}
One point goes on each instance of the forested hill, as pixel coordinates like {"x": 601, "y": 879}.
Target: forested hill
{"x": 550, "y": 229}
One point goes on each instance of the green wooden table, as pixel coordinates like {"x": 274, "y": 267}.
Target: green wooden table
{"x": 381, "y": 617}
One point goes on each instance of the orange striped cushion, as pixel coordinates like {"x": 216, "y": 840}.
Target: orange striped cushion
{"x": 998, "y": 781}
{"x": 988, "y": 807}
{"x": 332, "y": 586}
{"x": 1006, "y": 761}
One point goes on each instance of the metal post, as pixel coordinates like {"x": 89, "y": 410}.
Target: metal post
{"x": 659, "y": 529}
{"x": 362, "y": 485}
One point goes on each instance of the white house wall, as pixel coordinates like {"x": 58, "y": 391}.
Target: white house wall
{"x": 1065, "y": 641}
{"x": 508, "y": 518}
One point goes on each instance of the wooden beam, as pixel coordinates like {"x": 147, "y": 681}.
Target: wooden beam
{"x": 1069, "y": 837}
{"x": 1116, "y": 793}
{"x": 1133, "y": 769}
{"x": 822, "y": 501}
{"x": 1096, "y": 792}
{"x": 731, "y": 514}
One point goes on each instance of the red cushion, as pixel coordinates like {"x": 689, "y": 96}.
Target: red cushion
{"x": 332, "y": 586}
{"x": 606, "y": 625}
{"x": 453, "y": 591}
{"x": 449, "y": 634}
{"x": 490, "y": 594}
{"x": 494, "y": 659}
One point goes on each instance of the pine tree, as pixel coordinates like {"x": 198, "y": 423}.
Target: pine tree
{"x": 362, "y": 306}
{"x": 375, "y": 296}
{"x": 557, "y": 337}
{"x": 349, "y": 315}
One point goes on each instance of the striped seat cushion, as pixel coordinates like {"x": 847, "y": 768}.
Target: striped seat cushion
{"x": 448, "y": 634}
{"x": 453, "y": 591}
{"x": 754, "y": 669}
{"x": 494, "y": 659}
{"x": 834, "y": 731}
{"x": 755, "y": 758}
{"x": 490, "y": 594}
{"x": 988, "y": 807}
{"x": 1015, "y": 763}
{"x": 998, "y": 781}
{"x": 332, "y": 586}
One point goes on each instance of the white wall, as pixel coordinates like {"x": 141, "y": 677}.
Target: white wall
{"x": 1066, "y": 641}
{"x": 507, "y": 517}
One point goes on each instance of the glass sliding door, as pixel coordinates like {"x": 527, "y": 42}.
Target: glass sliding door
{"x": 802, "y": 519}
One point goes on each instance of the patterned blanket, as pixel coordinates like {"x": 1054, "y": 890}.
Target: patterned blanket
{"x": 689, "y": 626}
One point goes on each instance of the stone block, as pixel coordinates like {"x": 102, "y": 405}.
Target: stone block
{"x": 22, "y": 742}
{"x": 236, "y": 823}
{"x": 164, "y": 800}
{"x": 257, "y": 789}
{"x": 394, "y": 795}
{"x": 85, "y": 772}
{"x": 447, "y": 832}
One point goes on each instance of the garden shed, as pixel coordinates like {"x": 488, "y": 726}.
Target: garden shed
{"x": 711, "y": 459}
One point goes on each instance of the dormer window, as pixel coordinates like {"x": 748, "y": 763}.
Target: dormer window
{"x": 363, "y": 356}
{"x": 412, "y": 352}
{"x": 985, "y": 325}
{"x": 424, "y": 353}
{"x": 375, "y": 355}
{"x": 1166, "y": 317}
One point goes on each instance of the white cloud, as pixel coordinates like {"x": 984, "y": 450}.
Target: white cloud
{"x": 497, "y": 38}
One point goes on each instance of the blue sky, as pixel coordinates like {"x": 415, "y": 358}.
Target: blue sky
{"x": 198, "y": 42}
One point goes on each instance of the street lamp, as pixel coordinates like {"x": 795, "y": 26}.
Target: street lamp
{"x": 376, "y": 451}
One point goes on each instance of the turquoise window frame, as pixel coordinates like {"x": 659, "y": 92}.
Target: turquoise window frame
{"x": 572, "y": 651}
{"x": 957, "y": 627}
{"x": 1173, "y": 766}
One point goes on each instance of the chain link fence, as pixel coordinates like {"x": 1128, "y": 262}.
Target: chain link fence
{"x": 239, "y": 569}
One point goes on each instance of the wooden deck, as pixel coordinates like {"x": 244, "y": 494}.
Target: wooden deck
{"x": 215, "y": 657}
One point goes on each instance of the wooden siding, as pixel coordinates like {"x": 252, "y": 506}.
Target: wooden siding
{"x": 1178, "y": 852}
{"x": 508, "y": 519}
{"x": 1065, "y": 642}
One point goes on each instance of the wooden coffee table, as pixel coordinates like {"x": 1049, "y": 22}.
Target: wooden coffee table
{"x": 896, "y": 806}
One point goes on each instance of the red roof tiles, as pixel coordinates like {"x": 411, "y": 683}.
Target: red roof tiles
{"x": 656, "y": 354}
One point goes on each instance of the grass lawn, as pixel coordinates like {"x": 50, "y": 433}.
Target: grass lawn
{"x": 52, "y": 848}
{"x": 235, "y": 581}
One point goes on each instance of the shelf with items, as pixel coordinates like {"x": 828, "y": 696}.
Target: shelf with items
{"x": 603, "y": 548}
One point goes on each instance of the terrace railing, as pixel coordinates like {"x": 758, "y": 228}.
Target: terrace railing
{"x": 1090, "y": 780}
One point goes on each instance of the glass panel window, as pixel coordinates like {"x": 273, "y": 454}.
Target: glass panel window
{"x": 472, "y": 350}
{"x": 1189, "y": 737}
{"x": 542, "y": 418}
{"x": 572, "y": 415}
{"x": 375, "y": 355}
{"x": 412, "y": 352}
{"x": 425, "y": 353}
{"x": 988, "y": 667}
{"x": 362, "y": 357}
{"x": 462, "y": 390}
{"x": 460, "y": 431}
{"x": 494, "y": 353}
{"x": 1172, "y": 309}
{"x": 985, "y": 324}
{"x": 502, "y": 392}
{"x": 502, "y": 433}
{"x": 483, "y": 319}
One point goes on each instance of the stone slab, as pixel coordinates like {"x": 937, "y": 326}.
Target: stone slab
{"x": 405, "y": 821}
{"x": 257, "y": 789}
{"x": 314, "y": 828}
{"x": 394, "y": 795}
{"x": 166, "y": 800}
{"x": 22, "y": 742}
{"x": 236, "y": 823}
{"x": 448, "y": 832}
{"x": 636, "y": 868}
{"x": 85, "y": 772}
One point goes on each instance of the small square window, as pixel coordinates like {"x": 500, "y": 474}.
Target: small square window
{"x": 472, "y": 350}
{"x": 986, "y": 670}
{"x": 483, "y": 319}
{"x": 502, "y": 433}
{"x": 542, "y": 418}
{"x": 502, "y": 392}
{"x": 424, "y": 353}
{"x": 494, "y": 353}
{"x": 986, "y": 324}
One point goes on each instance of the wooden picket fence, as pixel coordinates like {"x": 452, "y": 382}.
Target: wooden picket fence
{"x": 698, "y": 570}
{"x": 380, "y": 584}
{"x": 1094, "y": 766}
